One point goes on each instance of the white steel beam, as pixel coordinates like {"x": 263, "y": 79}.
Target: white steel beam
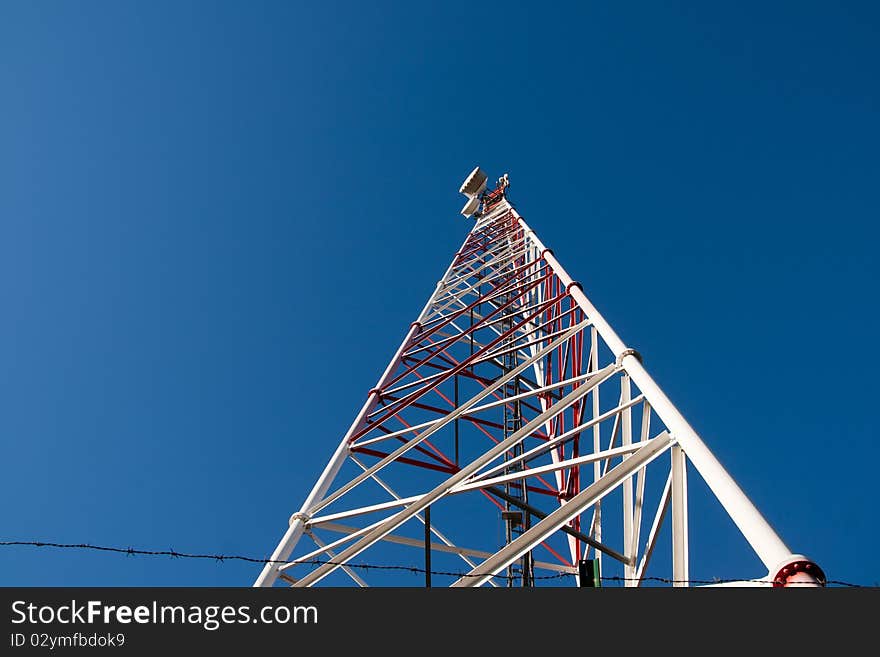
{"x": 655, "y": 530}
{"x": 596, "y": 529}
{"x": 472, "y": 411}
{"x": 476, "y": 484}
{"x": 586, "y": 498}
{"x": 561, "y": 438}
{"x": 443, "y": 489}
{"x": 640, "y": 482}
{"x": 305, "y": 558}
{"x": 433, "y": 528}
{"x": 317, "y": 521}
{"x": 626, "y": 441}
{"x": 461, "y": 410}
{"x": 679, "y": 518}
{"x": 463, "y": 552}
{"x": 482, "y": 482}
{"x": 348, "y": 571}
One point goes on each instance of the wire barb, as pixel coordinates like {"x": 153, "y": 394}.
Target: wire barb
{"x": 223, "y": 558}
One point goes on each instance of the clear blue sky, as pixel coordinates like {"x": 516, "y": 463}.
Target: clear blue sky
{"x": 208, "y": 251}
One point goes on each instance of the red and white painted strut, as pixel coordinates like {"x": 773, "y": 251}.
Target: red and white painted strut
{"x": 513, "y": 414}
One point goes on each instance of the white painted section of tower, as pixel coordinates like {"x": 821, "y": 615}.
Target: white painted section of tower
{"x": 445, "y": 302}
{"x": 296, "y": 526}
{"x": 754, "y": 527}
{"x": 537, "y": 533}
{"x": 680, "y": 566}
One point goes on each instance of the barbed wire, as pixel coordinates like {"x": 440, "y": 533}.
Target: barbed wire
{"x": 220, "y": 558}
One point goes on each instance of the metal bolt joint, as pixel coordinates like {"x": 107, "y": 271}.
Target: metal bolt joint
{"x": 302, "y": 516}
{"x": 629, "y": 352}
{"x": 802, "y": 565}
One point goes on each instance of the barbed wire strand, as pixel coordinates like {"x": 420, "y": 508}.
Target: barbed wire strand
{"x": 174, "y": 554}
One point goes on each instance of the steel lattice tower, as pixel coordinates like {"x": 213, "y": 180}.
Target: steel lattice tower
{"x": 514, "y": 417}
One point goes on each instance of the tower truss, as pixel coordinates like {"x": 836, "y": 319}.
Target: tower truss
{"x": 514, "y": 440}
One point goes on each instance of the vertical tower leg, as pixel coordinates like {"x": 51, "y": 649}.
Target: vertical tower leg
{"x": 679, "y": 518}
{"x": 629, "y": 570}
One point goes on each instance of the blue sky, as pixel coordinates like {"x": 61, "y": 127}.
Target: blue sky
{"x": 217, "y": 220}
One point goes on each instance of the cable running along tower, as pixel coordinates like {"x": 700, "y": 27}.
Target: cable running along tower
{"x": 515, "y": 440}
